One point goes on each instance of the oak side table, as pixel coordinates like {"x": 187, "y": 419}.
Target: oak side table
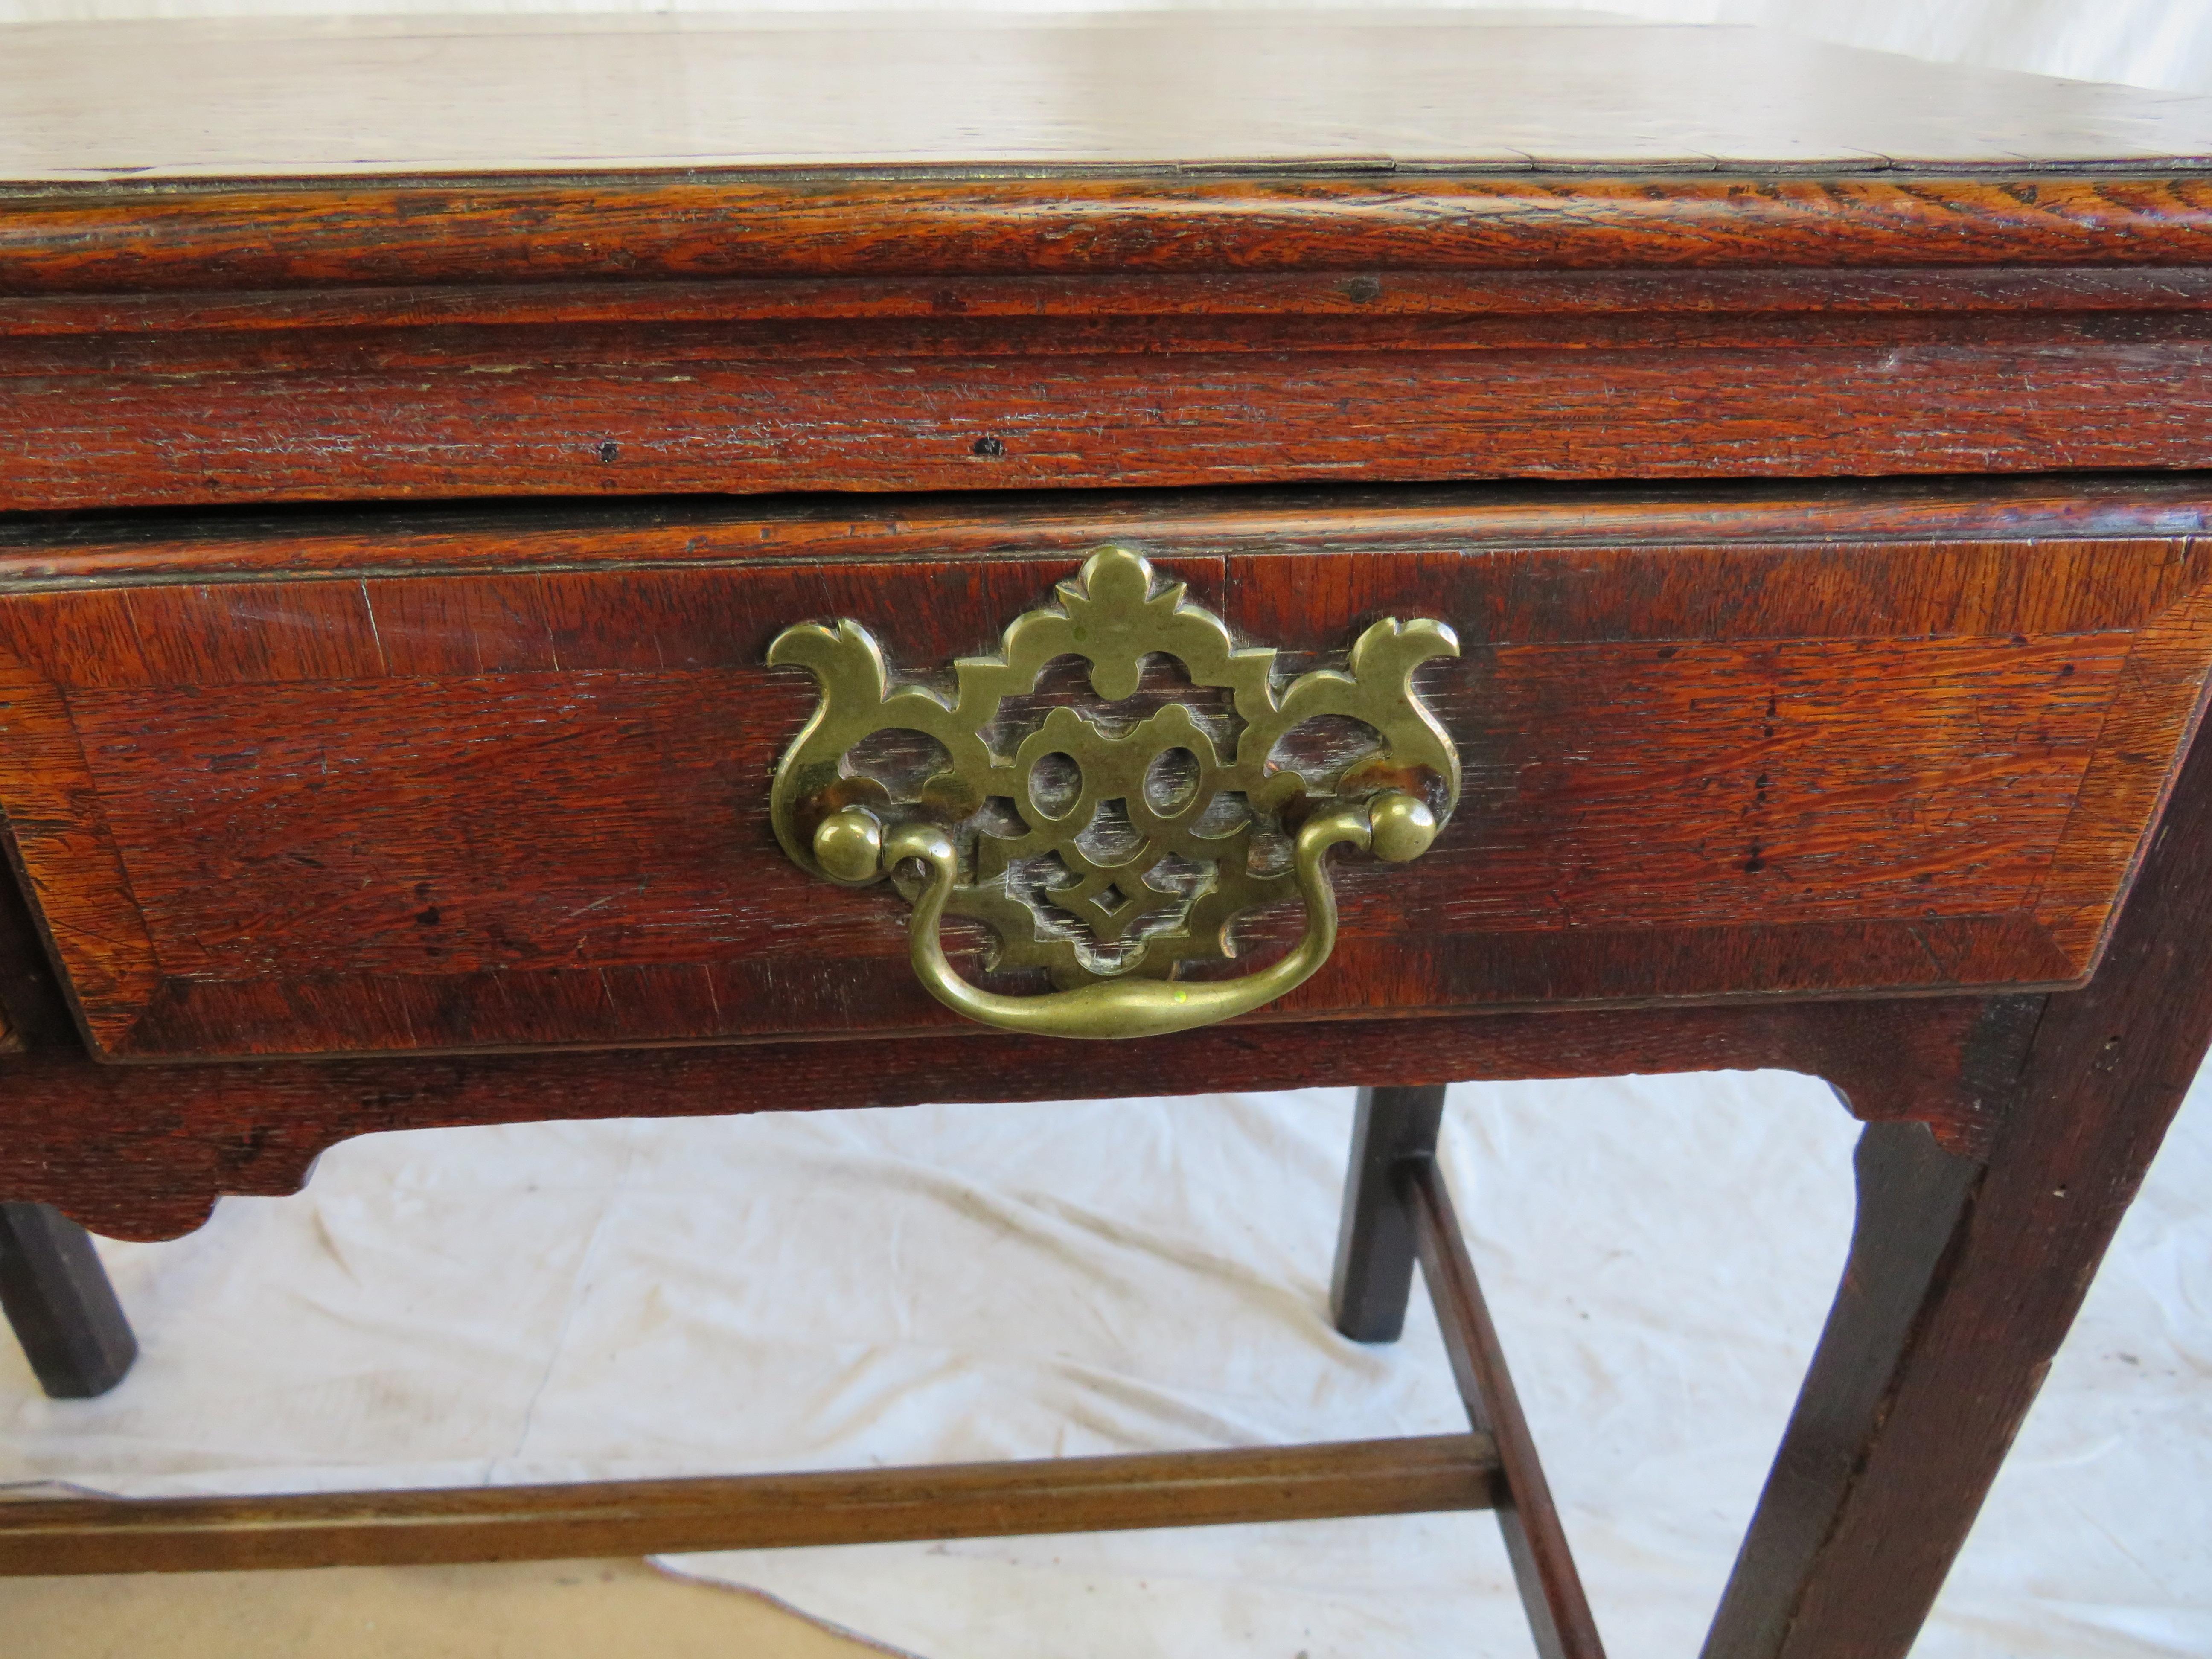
{"x": 703, "y": 564}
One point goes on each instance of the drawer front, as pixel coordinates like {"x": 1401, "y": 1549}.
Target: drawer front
{"x": 427, "y": 784}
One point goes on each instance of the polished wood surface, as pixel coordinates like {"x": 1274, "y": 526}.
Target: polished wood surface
{"x": 305, "y": 96}
{"x": 254, "y": 255}
{"x": 1964, "y": 1275}
{"x": 442, "y": 812}
{"x": 757, "y": 1511}
{"x": 143, "y": 1151}
{"x": 245, "y": 345}
{"x": 40, "y": 552}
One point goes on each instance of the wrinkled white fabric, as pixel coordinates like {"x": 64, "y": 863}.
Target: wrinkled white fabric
{"x": 962, "y": 1282}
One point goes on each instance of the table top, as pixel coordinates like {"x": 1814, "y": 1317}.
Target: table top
{"x": 303, "y": 97}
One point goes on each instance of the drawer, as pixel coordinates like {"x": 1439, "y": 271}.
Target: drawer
{"x": 409, "y": 780}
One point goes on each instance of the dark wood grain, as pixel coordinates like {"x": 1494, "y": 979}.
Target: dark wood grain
{"x": 760, "y": 1512}
{"x": 673, "y": 533}
{"x": 1964, "y": 1276}
{"x": 346, "y": 340}
{"x": 115, "y": 238}
{"x": 1912, "y": 1197}
{"x": 1535, "y": 1542}
{"x": 34, "y": 1011}
{"x": 1628, "y": 307}
{"x": 639, "y": 420}
{"x": 143, "y": 1151}
{"x": 494, "y": 809}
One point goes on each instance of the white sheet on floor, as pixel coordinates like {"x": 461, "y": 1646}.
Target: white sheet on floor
{"x": 962, "y": 1282}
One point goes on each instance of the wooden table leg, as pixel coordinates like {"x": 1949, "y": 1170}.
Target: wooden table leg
{"x": 1962, "y": 1281}
{"x": 1375, "y": 1245}
{"x": 1535, "y": 1543}
{"x": 57, "y": 1296}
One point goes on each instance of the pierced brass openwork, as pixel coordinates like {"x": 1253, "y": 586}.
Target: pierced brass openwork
{"x": 1111, "y": 840}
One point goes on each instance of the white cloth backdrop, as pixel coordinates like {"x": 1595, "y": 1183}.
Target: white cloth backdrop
{"x": 957, "y": 1282}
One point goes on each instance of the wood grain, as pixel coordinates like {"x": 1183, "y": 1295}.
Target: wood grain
{"x": 1536, "y": 1542}
{"x": 760, "y": 1512}
{"x": 143, "y": 1151}
{"x": 119, "y": 239}
{"x": 500, "y": 810}
{"x": 86, "y": 914}
{"x": 349, "y": 341}
{"x": 1966, "y": 1272}
{"x": 1631, "y": 306}
{"x": 1794, "y": 518}
{"x": 339, "y": 422}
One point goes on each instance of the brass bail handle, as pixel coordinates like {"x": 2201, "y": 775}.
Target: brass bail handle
{"x": 1008, "y": 829}
{"x": 851, "y": 846}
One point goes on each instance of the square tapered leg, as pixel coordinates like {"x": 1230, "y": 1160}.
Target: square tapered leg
{"x": 1375, "y": 1248}
{"x": 57, "y": 1296}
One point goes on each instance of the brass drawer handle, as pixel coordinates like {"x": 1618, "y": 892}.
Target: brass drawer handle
{"x": 1396, "y": 826}
{"x": 1109, "y": 846}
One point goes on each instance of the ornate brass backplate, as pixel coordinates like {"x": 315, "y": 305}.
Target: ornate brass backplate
{"x": 1108, "y": 845}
